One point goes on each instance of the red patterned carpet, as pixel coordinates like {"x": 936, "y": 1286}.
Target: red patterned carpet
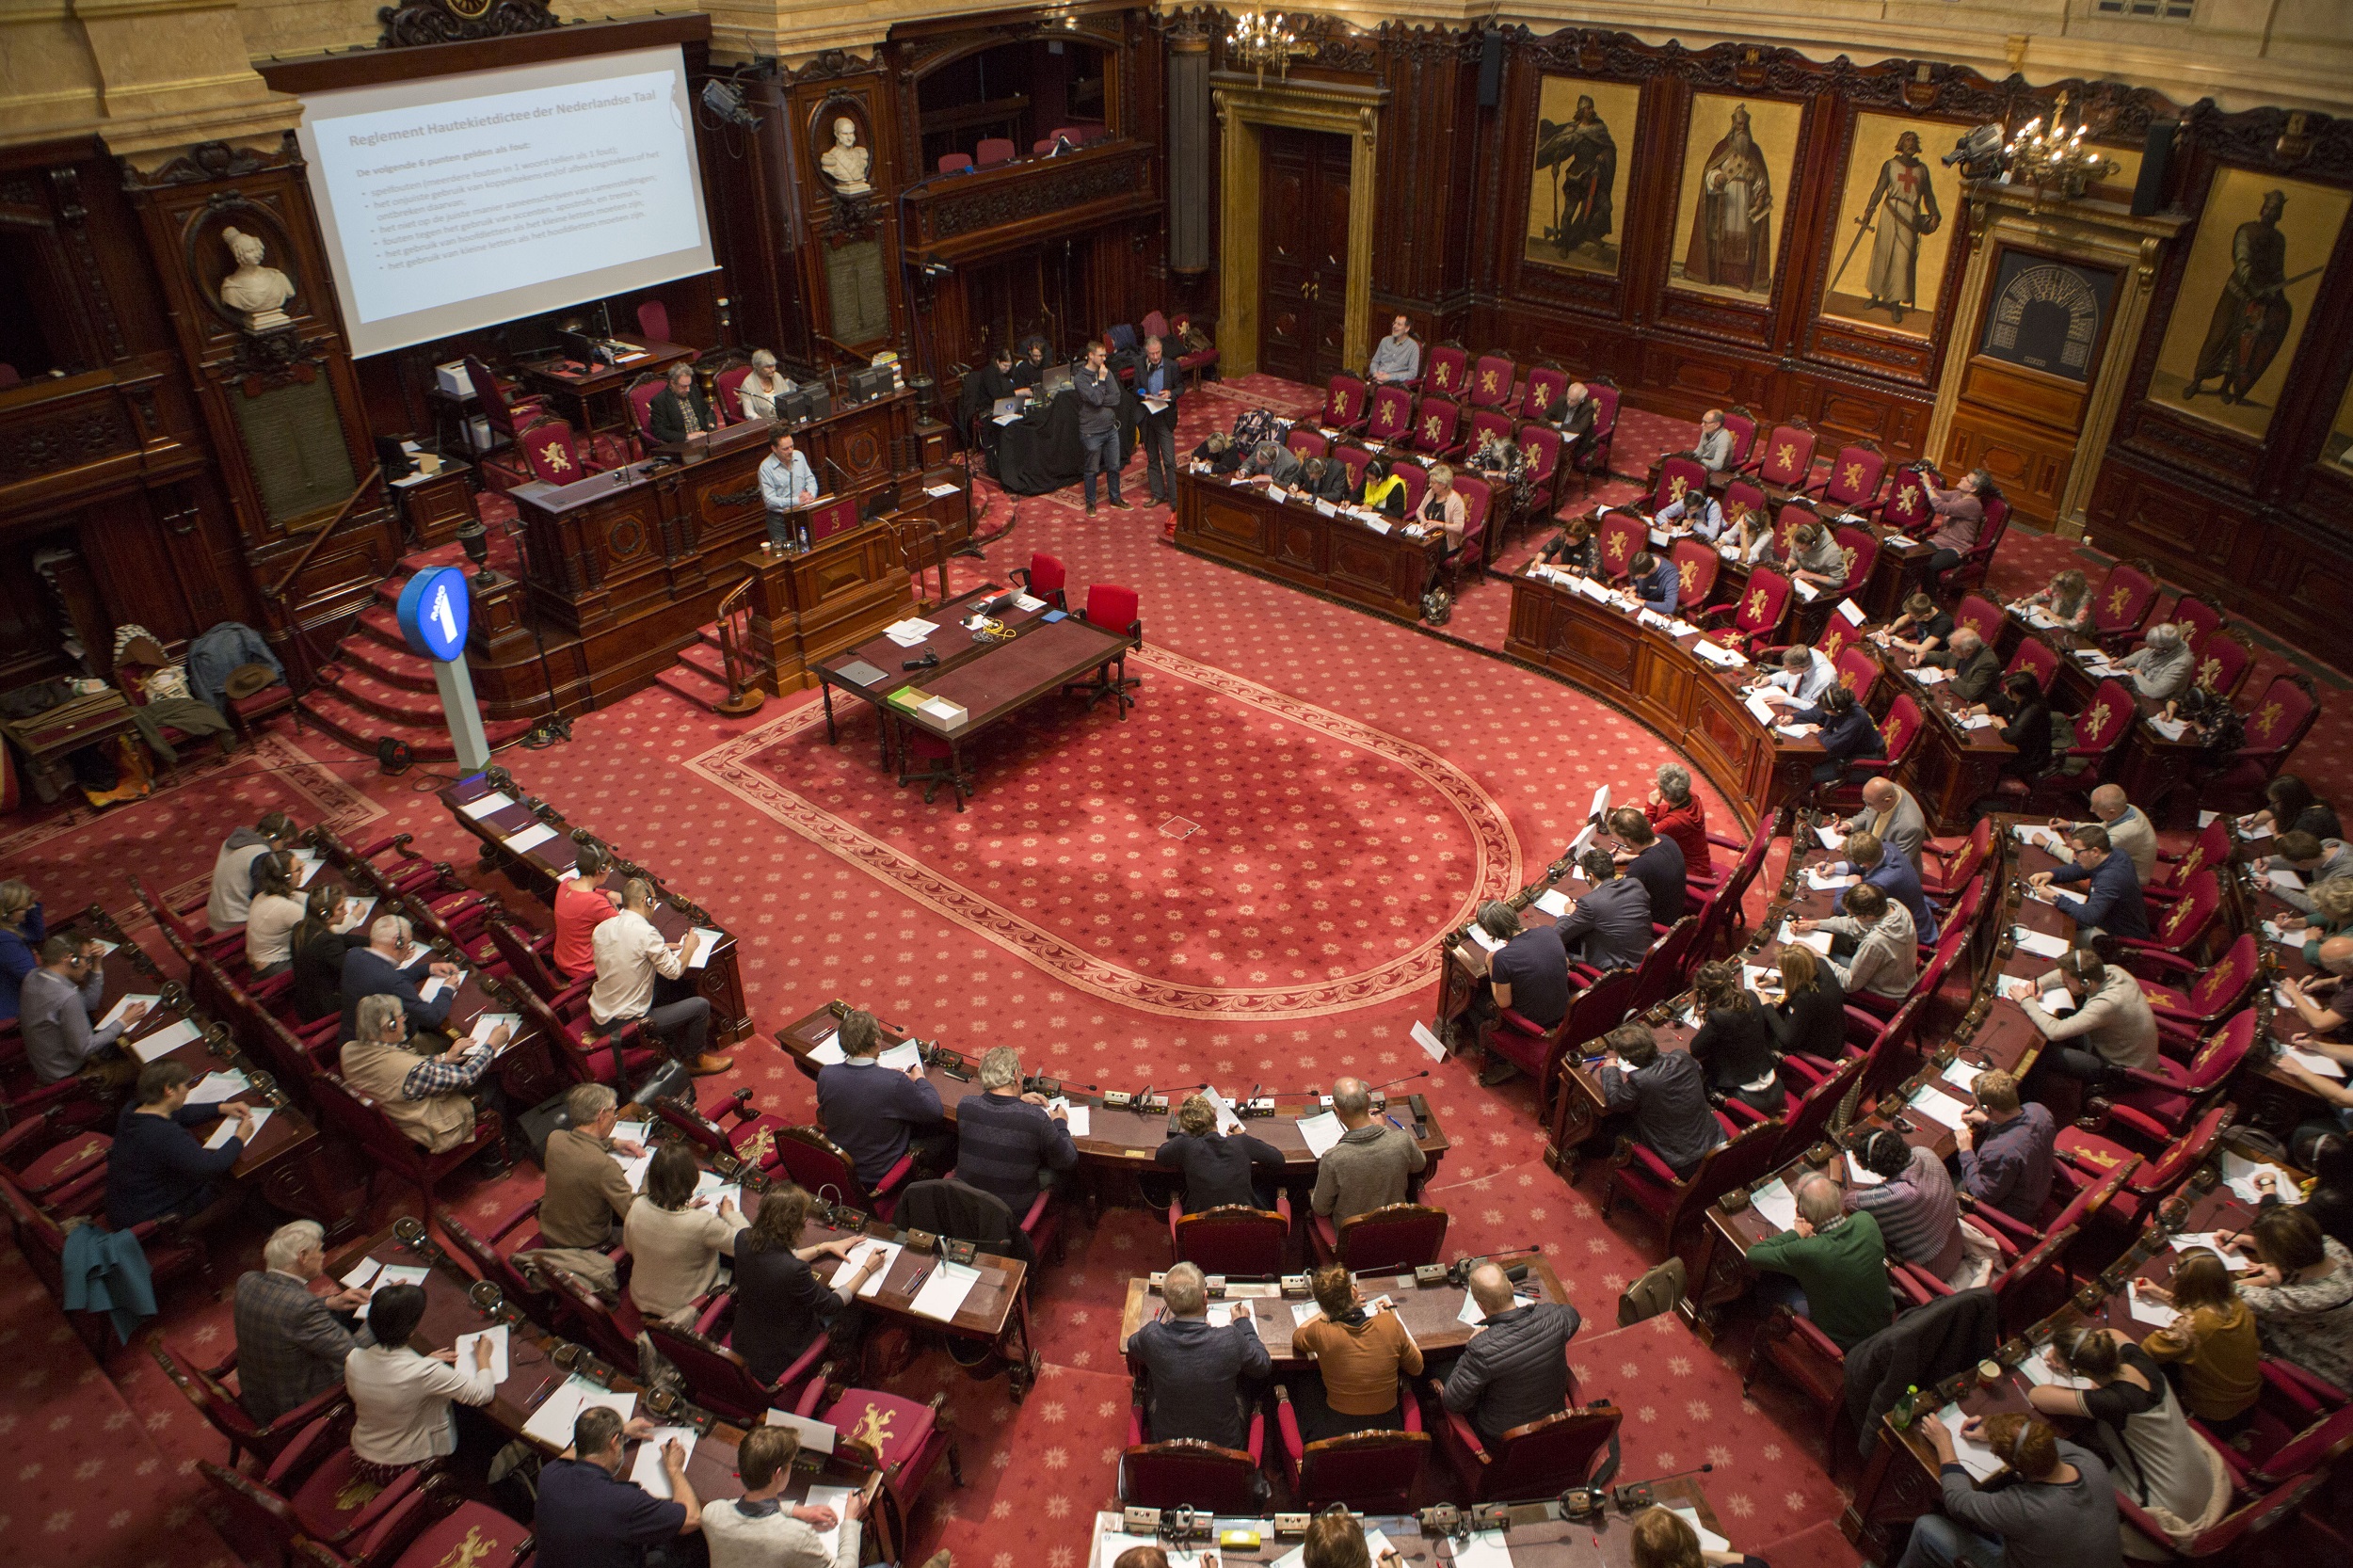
{"x": 1355, "y": 785}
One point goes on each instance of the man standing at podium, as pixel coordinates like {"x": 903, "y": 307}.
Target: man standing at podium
{"x": 786, "y": 482}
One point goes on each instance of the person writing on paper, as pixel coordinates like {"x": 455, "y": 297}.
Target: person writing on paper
{"x": 637, "y": 970}
{"x": 1811, "y": 1017}
{"x": 1674, "y": 812}
{"x": 1891, "y": 873}
{"x": 757, "y": 393}
{"x": 377, "y": 970}
{"x": 1574, "y": 415}
{"x": 2112, "y": 903}
{"x": 2025, "y": 713}
{"x": 1714, "y": 447}
{"x": 2162, "y": 664}
{"x": 2314, "y": 863}
{"x": 1653, "y": 861}
{"x": 1272, "y": 463}
{"x": 1157, "y": 383}
{"x": 677, "y": 1238}
{"x": 1976, "y": 668}
{"x": 786, "y": 484}
{"x": 1515, "y": 1370}
{"x": 874, "y": 1113}
{"x": 1922, "y": 629}
{"x": 1529, "y": 975}
{"x": 1219, "y": 454}
{"x": 2128, "y": 827}
{"x": 2154, "y": 1456}
{"x": 1887, "y": 956}
{"x": 2005, "y": 1149}
{"x": 1845, "y": 731}
{"x": 1667, "y": 1092}
{"x": 1333, "y": 1540}
{"x": 400, "y": 1400}
{"x": 1814, "y": 556}
{"x": 1893, "y": 816}
{"x": 2335, "y": 958}
{"x": 1656, "y": 582}
{"x": 320, "y": 946}
{"x": 233, "y": 868}
{"x": 1573, "y": 549}
{"x": 2061, "y": 1514}
{"x": 582, "y": 903}
{"x": 588, "y": 1194}
{"x": 270, "y": 919}
{"x": 1831, "y": 1268}
{"x": 1373, "y": 1163}
{"x": 1699, "y": 513}
{"x": 54, "y": 1008}
{"x": 1219, "y": 1168}
{"x": 2066, "y": 599}
{"x": 1010, "y": 1143}
{"x": 1664, "y": 1538}
{"x": 1385, "y": 488}
{"x": 1915, "y": 1205}
{"x": 2303, "y": 1298}
{"x": 2212, "y": 1347}
{"x": 1396, "y": 359}
{"x": 782, "y": 1305}
{"x": 761, "y": 1528}
{"x": 2110, "y": 1024}
{"x": 1195, "y": 1371}
{"x": 1804, "y": 675}
{"x": 1734, "y": 1042}
{"x": 157, "y": 1167}
{"x": 1359, "y": 1355}
{"x": 292, "y": 1342}
{"x": 1608, "y": 926}
{"x": 1326, "y": 479}
{"x": 679, "y": 409}
{"x": 430, "y": 1097}
{"x": 2289, "y": 804}
{"x": 589, "y": 1517}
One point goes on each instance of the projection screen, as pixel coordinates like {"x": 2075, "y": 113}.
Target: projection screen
{"x": 451, "y": 203}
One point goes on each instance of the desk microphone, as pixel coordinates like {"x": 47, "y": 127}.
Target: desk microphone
{"x": 838, "y": 469}
{"x": 1637, "y": 1493}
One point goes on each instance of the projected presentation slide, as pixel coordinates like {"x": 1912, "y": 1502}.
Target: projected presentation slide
{"x": 457, "y": 202}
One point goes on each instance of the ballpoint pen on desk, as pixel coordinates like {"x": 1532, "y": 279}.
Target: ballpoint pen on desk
{"x": 546, "y": 1383}
{"x": 916, "y": 1284}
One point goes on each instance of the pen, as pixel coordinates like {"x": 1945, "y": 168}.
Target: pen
{"x": 545, "y": 1383}
{"x": 917, "y": 1282}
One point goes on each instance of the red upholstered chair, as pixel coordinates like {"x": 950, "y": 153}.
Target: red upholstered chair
{"x": 1445, "y": 370}
{"x": 428, "y": 1528}
{"x": 1810, "y": 1107}
{"x": 1491, "y": 382}
{"x": 1741, "y": 423}
{"x": 1905, "y": 507}
{"x": 1352, "y": 458}
{"x": 1531, "y": 1047}
{"x": 1742, "y": 500}
{"x": 747, "y": 1135}
{"x": 1478, "y": 510}
{"x": 642, "y": 393}
{"x": 1795, "y": 513}
{"x": 1233, "y": 1238}
{"x": 2197, "y": 619}
{"x": 994, "y": 150}
{"x": 653, "y": 319}
{"x": 55, "y": 1156}
{"x": 1677, "y": 1202}
{"x": 1854, "y": 477}
{"x": 814, "y": 1162}
{"x": 2211, "y": 847}
{"x": 1347, "y": 404}
{"x": 1485, "y": 422}
{"x": 2218, "y": 990}
{"x": 1592, "y": 456}
{"x": 1785, "y": 460}
{"x": 2034, "y": 657}
{"x": 553, "y": 453}
{"x": 1039, "y": 148}
{"x": 524, "y": 1292}
{"x": 1863, "y": 554}
{"x": 2301, "y": 1421}
{"x": 1372, "y": 1472}
{"x": 2079, "y": 1198}
{"x": 1540, "y": 446}
{"x": 2224, "y": 661}
{"x": 1416, "y": 481}
{"x": 506, "y": 415}
{"x": 2121, "y": 603}
{"x": 1979, "y": 614}
{"x": 41, "y": 1236}
{"x": 901, "y": 1439}
{"x": 386, "y": 1147}
{"x": 2148, "y": 1181}
{"x": 1696, "y": 568}
{"x": 1900, "y": 733}
{"x": 1437, "y": 424}
{"x": 1977, "y": 560}
{"x": 1541, "y": 389}
{"x": 1807, "y": 1358}
{"x": 2275, "y": 725}
{"x": 2161, "y": 1100}
{"x": 226, "y": 1414}
{"x": 1622, "y": 536}
{"x": 1044, "y": 578}
{"x": 2100, "y": 732}
{"x": 1112, "y": 608}
{"x": 1394, "y": 1238}
{"x": 1858, "y": 672}
{"x": 718, "y": 1380}
{"x": 1678, "y": 475}
{"x": 1755, "y": 618}
{"x": 1392, "y": 415}
{"x": 1185, "y": 1472}
{"x": 726, "y": 388}
{"x": 1838, "y": 635}
{"x": 956, "y": 163}
{"x": 184, "y": 923}
{"x": 310, "y": 1489}
{"x": 1540, "y": 1459}
{"x": 2253, "y": 1509}
{"x": 1306, "y": 441}
{"x": 2179, "y": 929}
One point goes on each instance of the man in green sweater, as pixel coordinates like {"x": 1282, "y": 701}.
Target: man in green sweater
{"x": 1836, "y": 1263}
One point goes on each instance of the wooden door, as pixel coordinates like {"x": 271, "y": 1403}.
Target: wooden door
{"x": 1302, "y": 254}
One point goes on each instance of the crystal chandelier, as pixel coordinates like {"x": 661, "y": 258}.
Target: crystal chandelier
{"x": 2055, "y": 156}
{"x": 1262, "y": 38}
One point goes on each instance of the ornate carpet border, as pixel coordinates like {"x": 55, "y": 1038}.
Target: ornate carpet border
{"x": 1495, "y": 873}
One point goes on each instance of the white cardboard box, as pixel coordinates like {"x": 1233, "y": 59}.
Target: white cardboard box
{"x": 452, "y": 380}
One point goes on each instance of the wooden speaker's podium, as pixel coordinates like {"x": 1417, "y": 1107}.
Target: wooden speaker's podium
{"x": 849, "y": 584}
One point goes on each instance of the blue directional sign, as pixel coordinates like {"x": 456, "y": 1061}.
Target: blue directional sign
{"x": 435, "y": 611}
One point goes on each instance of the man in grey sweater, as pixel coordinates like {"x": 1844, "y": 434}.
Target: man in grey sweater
{"x": 1886, "y": 957}
{"x": 1099, "y": 423}
{"x": 54, "y": 1010}
{"x": 1372, "y": 1164}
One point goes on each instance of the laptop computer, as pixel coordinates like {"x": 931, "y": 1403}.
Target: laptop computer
{"x": 1057, "y": 380}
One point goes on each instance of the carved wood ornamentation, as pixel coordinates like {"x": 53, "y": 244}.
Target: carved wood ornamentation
{"x": 423, "y": 22}
{"x": 211, "y": 161}
{"x": 82, "y": 435}
{"x": 1033, "y": 197}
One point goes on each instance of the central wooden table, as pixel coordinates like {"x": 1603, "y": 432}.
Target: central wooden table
{"x": 595, "y": 397}
{"x": 1296, "y": 541}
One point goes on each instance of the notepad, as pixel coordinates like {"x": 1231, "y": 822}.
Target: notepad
{"x": 1818, "y": 940}
{"x": 1776, "y": 1204}
{"x": 356, "y": 912}
{"x": 164, "y": 1041}
{"x": 228, "y": 1129}
{"x": 1972, "y": 1456}
{"x": 2041, "y": 944}
{"x": 1710, "y": 1540}
{"x": 215, "y": 1087}
{"x": 1553, "y": 901}
{"x": 114, "y": 1014}
{"x": 407, "y": 1274}
{"x": 858, "y": 1255}
{"x": 648, "y": 1471}
{"x": 1081, "y": 1117}
{"x": 706, "y": 943}
{"x": 1321, "y": 1132}
{"x": 529, "y": 839}
{"x": 943, "y": 1293}
{"x": 552, "y": 1423}
{"x": 1478, "y": 934}
{"x": 490, "y": 805}
{"x": 1937, "y": 1105}
{"x": 2037, "y": 1368}
{"x": 2155, "y": 1314}
{"x": 485, "y": 1024}
{"x": 497, "y": 1336}
{"x": 899, "y": 1057}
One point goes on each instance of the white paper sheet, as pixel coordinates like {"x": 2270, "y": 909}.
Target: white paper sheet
{"x": 552, "y": 1423}
{"x": 1028, "y": 604}
{"x": 1928, "y": 675}
{"x": 2239, "y": 1173}
{"x": 633, "y": 1167}
{"x": 1710, "y": 1540}
{"x": 530, "y": 837}
{"x": 706, "y": 943}
{"x": 1819, "y": 940}
{"x": 356, "y": 912}
{"x": 1937, "y": 1105}
{"x": 1431, "y": 1046}
{"x": 1763, "y": 709}
{"x": 215, "y": 1087}
{"x": 123, "y": 1005}
{"x": 899, "y": 1057}
{"x": 1553, "y": 901}
{"x": 1831, "y": 837}
{"x": 849, "y": 1264}
{"x": 1849, "y": 612}
{"x": 2041, "y": 944}
{"x": 647, "y": 1472}
{"x": 402, "y": 1273}
{"x": 943, "y": 1293}
{"x": 1976, "y": 1457}
{"x": 1303, "y": 1312}
{"x": 2313, "y": 1062}
{"x": 1961, "y": 1075}
{"x": 2153, "y": 1313}
{"x": 829, "y": 1052}
{"x": 1082, "y": 1117}
{"x": 306, "y": 864}
{"x": 156, "y": 1046}
{"x": 1776, "y": 1204}
{"x": 817, "y": 1437}
{"x": 2036, "y": 1370}
{"x": 1858, "y": 1176}
{"x": 2280, "y": 876}
{"x": 1807, "y": 591}
{"x": 1480, "y": 936}
{"x": 1470, "y": 1312}
{"x": 1321, "y": 1132}
{"x": 2210, "y": 1239}
{"x": 490, "y": 805}
{"x": 360, "y": 1274}
{"x": 485, "y": 1024}
{"x": 433, "y": 987}
{"x": 228, "y": 1129}
{"x": 497, "y": 1336}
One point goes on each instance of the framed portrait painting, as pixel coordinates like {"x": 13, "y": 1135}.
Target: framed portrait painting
{"x": 1583, "y": 178}
{"x": 1739, "y": 158}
